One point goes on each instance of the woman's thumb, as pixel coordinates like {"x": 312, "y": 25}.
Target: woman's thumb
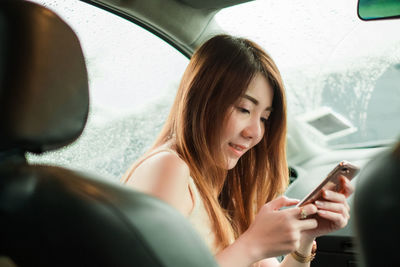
{"x": 281, "y": 202}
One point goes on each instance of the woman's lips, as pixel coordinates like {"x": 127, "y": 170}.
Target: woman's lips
{"x": 238, "y": 150}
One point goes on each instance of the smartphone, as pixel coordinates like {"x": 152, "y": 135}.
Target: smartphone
{"x": 331, "y": 182}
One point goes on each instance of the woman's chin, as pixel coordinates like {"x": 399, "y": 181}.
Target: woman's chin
{"x": 231, "y": 164}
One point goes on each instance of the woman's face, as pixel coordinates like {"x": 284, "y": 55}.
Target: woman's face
{"x": 245, "y": 123}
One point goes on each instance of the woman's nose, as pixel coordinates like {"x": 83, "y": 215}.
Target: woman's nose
{"x": 253, "y": 129}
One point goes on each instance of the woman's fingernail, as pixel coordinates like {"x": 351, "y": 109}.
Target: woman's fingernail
{"x": 326, "y": 193}
{"x": 319, "y": 203}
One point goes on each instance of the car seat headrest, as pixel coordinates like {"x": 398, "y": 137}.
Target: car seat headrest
{"x": 377, "y": 209}
{"x": 44, "y": 99}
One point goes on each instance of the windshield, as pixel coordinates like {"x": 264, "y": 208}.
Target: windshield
{"x": 342, "y": 74}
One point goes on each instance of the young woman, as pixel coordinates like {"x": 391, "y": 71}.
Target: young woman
{"x": 220, "y": 158}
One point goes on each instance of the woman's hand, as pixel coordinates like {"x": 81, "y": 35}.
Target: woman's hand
{"x": 276, "y": 232}
{"x": 333, "y": 211}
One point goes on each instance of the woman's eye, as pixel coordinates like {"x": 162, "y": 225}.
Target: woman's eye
{"x": 264, "y": 120}
{"x": 243, "y": 110}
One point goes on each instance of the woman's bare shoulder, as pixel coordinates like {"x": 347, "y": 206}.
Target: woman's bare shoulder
{"x": 164, "y": 164}
{"x": 166, "y": 176}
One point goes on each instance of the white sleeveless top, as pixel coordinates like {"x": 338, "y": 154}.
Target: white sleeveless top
{"x": 199, "y": 218}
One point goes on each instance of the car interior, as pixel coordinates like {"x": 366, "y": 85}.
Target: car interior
{"x": 56, "y": 212}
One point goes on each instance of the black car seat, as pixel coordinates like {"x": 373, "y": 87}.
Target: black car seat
{"x": 51, "y": 216}
{"x": 377, "y": 210}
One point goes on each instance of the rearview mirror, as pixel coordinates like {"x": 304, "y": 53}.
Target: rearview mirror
{"x": 378, "y": 9}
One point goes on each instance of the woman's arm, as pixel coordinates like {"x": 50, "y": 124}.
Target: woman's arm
{"x": 333, "y": 214}
{"x": 305, "y": 248}
{"x": 277, "y": 232}
{"x": 274, "y": 232}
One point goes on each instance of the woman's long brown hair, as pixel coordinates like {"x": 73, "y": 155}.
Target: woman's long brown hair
{"x": 217, "y": 76}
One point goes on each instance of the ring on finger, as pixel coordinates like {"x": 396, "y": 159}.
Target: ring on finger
{"x": 303, "y": 214}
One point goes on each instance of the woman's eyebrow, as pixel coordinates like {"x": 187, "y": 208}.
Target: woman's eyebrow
{"x": 255, "y": 101}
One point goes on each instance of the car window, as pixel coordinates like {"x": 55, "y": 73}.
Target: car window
{"x": 133, "y": 78}
{"x": 342, "y": 74}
